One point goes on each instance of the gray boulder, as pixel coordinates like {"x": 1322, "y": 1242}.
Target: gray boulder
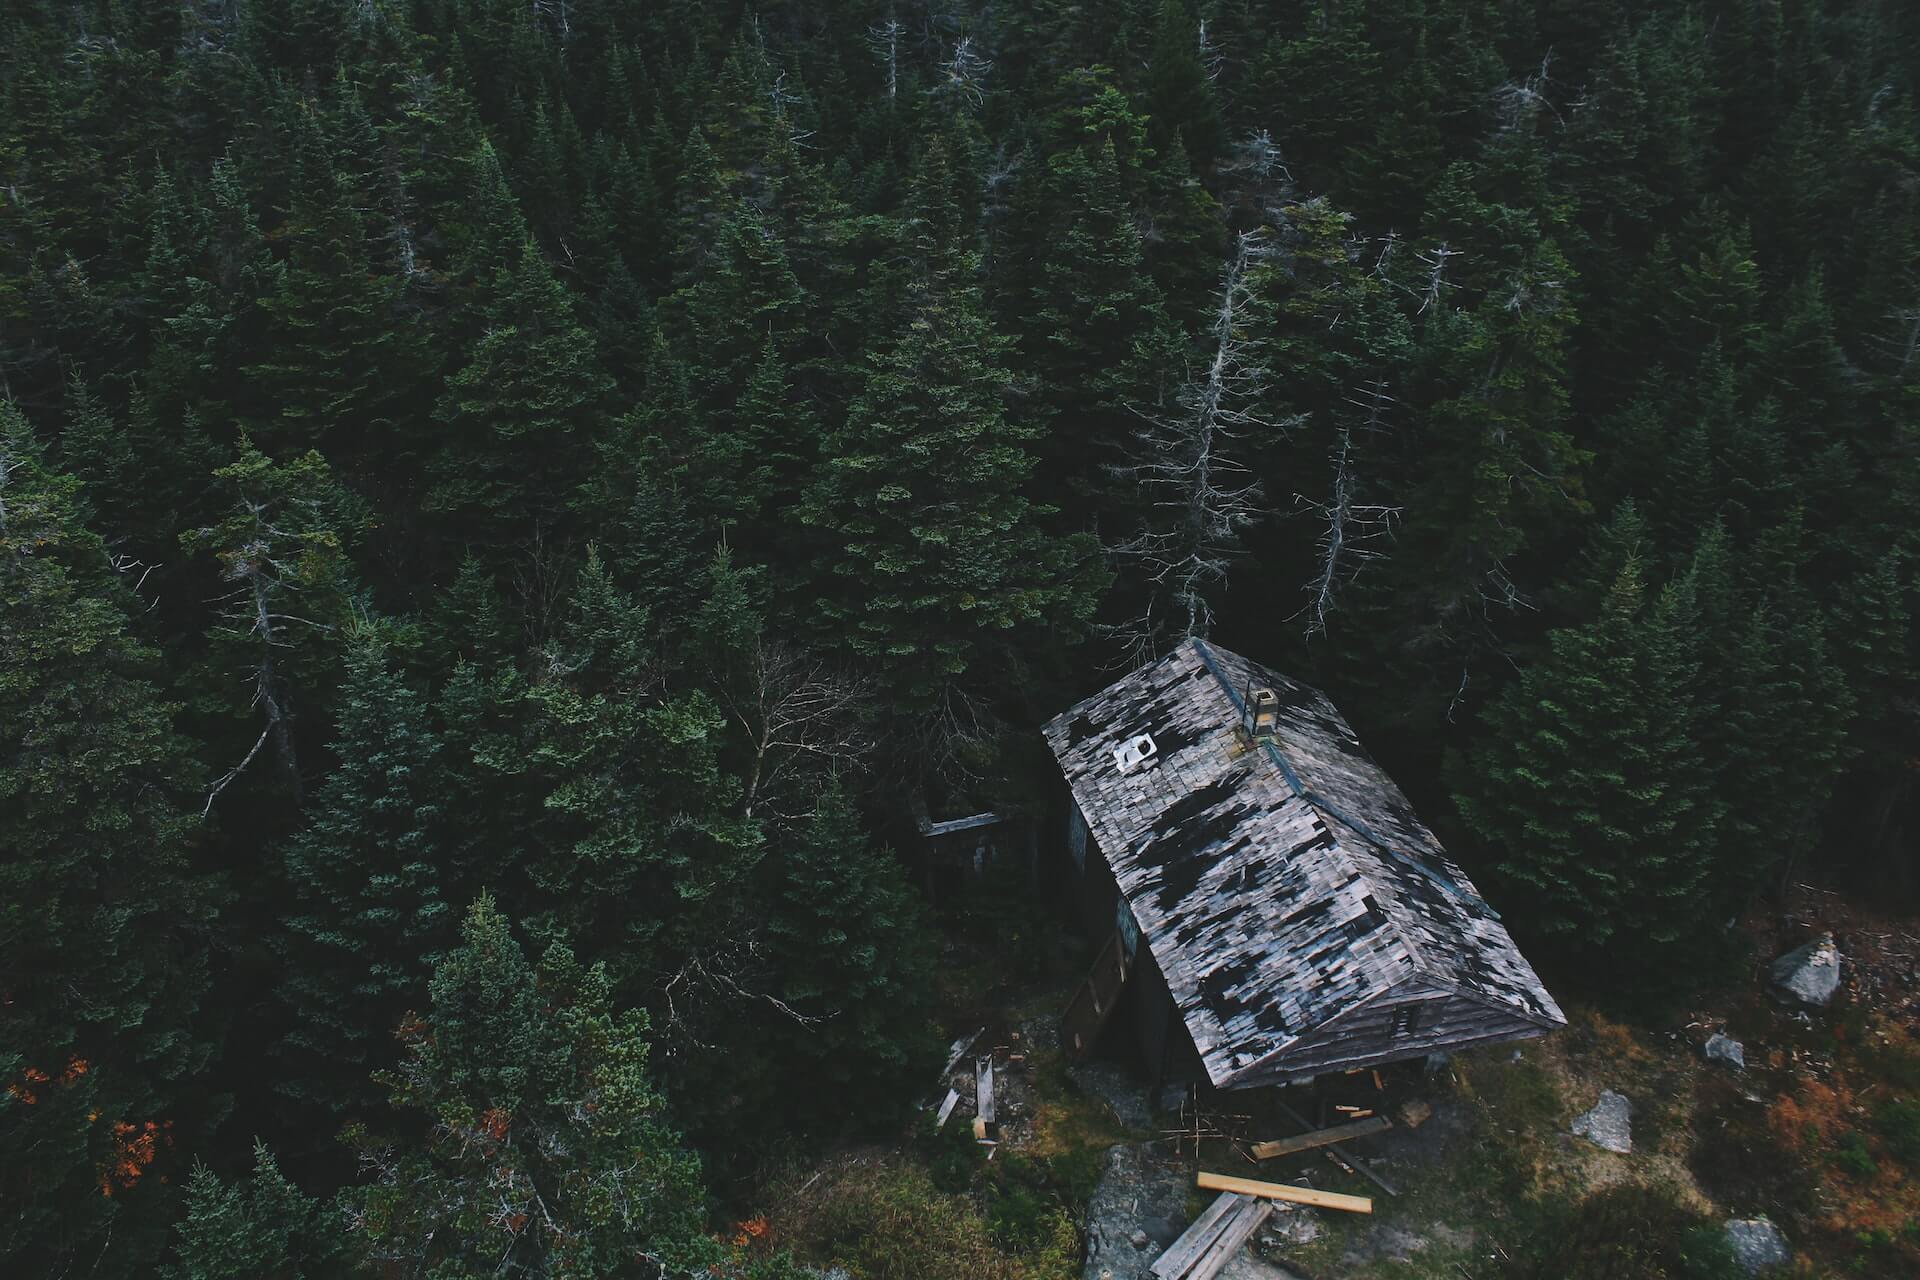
{"x": 1724, "y": 1048}
{"x": 1809, "y": 974}
{"x": 1757, "y": 1245}
{"x": 1609, "y": 1125}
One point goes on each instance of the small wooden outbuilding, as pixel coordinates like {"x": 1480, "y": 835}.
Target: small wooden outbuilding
{"x": 1270, "y": 902}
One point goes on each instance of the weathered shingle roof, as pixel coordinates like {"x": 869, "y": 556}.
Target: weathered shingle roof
{"x": 1277, "y": 884}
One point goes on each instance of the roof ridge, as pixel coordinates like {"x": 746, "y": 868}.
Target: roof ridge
{"x": 1321, "y": 805}
{"x": 1422, "y": 963}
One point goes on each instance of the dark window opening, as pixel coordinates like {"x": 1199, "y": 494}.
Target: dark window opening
{"x": 1407, "y": 1019}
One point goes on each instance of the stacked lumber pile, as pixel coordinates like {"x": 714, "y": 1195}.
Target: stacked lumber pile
{"x": 1213, "y": 1239}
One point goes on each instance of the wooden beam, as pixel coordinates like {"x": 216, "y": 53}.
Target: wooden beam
{"x": 1321, "y": 1138}
{"x": 1348, "y": 1156}
{"x": 983, "y": 1087}
{"x": 1281, "y": 1191}
{"x": 946, "y": 1109}
{"x": 1203, "y": 1231}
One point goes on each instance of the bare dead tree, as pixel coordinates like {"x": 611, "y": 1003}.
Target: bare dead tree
{"x": 1258, "y": 156}
{"x": 719, "y": 976}
{"x": 261, "y": 575}
{"x": 1349, "y": 526}
{"x": 558, "y": 13}
{"x": 799, "y": 713}
{"x": 964, "y": 73}
{"x": 884, "y": 37}
{"x": 1904, "y": 345}
{"x": 784, "y": 100}
{"x": 1519, "y": 101}
{"x": 1204, "y": 496}
{"x": 1212, "y": 59}
{"x": 1435, "y": 260}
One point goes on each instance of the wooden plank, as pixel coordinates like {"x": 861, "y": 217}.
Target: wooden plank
{"x": 1358, "y": 1164}
{"x": 983, "y": 1088}
{"x": 959, "y": 1051}
{"x": 1281, "y": 1191}
{"x": 1234, "y": 1234}
{"x": 946, "y": 1109}
{"x": 1204, "y": 1230}
{"x": 1321, "y": 1138}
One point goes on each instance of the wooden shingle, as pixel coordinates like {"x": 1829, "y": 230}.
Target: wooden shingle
{"x": 1283, "y": 883}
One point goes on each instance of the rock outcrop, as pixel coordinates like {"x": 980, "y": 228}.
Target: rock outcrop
{"x": 1757, "y": 1245}
{"x": 1609, "y": 1125}
{"x": 1809, "y": 974}
{"x": 1721, "y": 1047}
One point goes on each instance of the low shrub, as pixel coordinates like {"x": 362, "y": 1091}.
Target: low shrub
{"x": 890, "y": 1222}
{"x": 1851, "y": 1156}
{"x": 1899, "y": 1126}
{"x": 1620, "y": 1233}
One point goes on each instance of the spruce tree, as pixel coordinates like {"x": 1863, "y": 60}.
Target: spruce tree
{"x": 370, "y": 879}
{"x": 938, "y": 556}
{"x": 1180, "y": 101}
{"x": 289, "y": 590}
{"x": 849, "y": 941}
{"x": 263, "y": 1227}
{"x": 520, "y": 417}
{"x": 1590, "y": 792}
{"x": 1092, "y": 331}
{"x": 104, "y": 920}
{"x": 546, "y": 1152}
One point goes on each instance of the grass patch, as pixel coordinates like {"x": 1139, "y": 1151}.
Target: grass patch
{"x": 1621, "y": 1231}
{"x": 893, "y": 1221}
{"x": 1899, "y": 1126}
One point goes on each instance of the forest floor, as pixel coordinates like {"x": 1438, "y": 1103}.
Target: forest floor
{"x": 1820, "y": 1133}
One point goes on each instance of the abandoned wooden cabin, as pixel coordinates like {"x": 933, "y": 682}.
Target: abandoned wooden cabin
{"x": 1272, "y": 908}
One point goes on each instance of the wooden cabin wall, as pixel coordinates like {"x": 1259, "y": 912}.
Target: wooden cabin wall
{"x": 1093, "y": 893}
{"x": 1366, "y": 1037}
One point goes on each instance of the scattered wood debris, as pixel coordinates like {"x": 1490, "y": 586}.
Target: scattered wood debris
{"x": 1215, "y": 1236}
{"x": 1321, "y": 1138}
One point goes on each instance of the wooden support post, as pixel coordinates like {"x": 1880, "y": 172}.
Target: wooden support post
{"x": 1281, "y": 1191}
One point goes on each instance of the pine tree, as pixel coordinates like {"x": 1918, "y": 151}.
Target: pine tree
{"x": 1091, "y": 327}
{"x": 938, "y": 555}
{"x": 370, "y": 881}
{"x": 264, "y": 1227}
{"x": 635, "y": 837}
{"x": 1589, "y": 789}
{"x": 332, "y": 367}
{"x": 1180, "y": 101}
{"x": 848, "y": 939}
{"x": 545, "y": 1149}
{"x": 103, "y": 917}
{"x": 521, "y": 416}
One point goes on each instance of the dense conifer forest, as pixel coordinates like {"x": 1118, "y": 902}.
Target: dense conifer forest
{"x": 503, "y": 504}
